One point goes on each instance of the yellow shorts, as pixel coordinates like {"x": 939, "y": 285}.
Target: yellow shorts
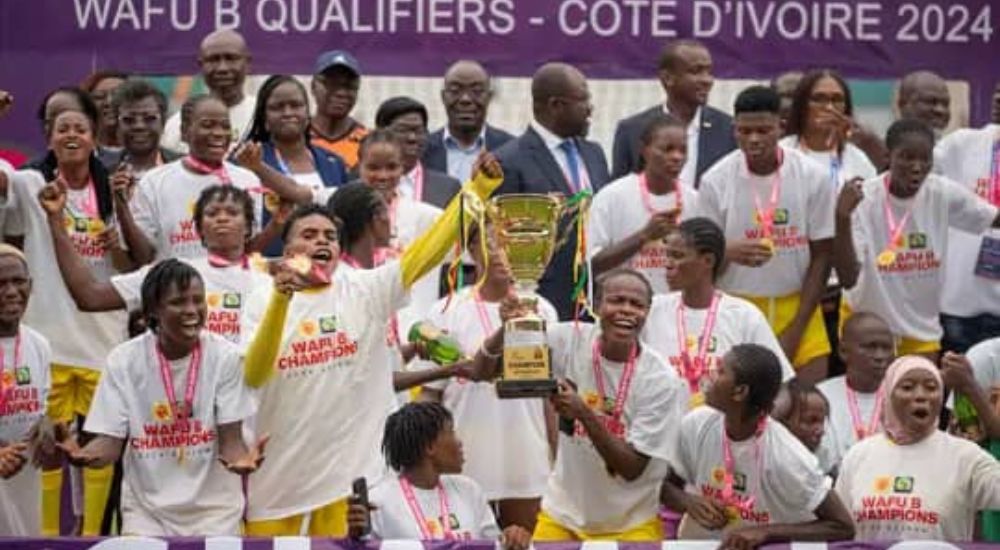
{"x": 549, "y": 530}
{"x": 781, "y": 311}
{"x": 904, "y": 345}
{"x": 72, "y": 391}
{"x": 328, "y": 521}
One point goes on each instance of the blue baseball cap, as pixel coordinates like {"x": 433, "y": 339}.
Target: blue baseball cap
{"x": 337, "y": 58}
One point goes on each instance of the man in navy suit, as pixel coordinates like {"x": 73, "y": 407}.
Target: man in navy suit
{"x": 552, "y": 156}
{"x": 686, "y": 76}
{"x": 466, "y": 96}
{"x": 407, "y": 118}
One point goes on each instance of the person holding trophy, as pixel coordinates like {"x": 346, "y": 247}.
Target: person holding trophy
{"x": 619, "y": 410}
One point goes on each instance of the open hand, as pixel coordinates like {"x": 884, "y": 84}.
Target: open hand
{"x": 708, "y": 513}
{"x": 250, "y": 462}
{"x": 744, "y": 538}
{"x": 749, "y": 252}
{"x": 12, "y": 458}
{"x": 250, "y": 156}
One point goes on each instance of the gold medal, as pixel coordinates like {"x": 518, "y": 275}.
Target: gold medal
{"x": 769, "y": 243}
{"x": 886, "y": 258}
{"x": 696, "y": 400}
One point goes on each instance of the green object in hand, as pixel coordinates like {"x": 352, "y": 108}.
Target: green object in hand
{"x": 441, "y": 348}
{"x": 965, "y": 412}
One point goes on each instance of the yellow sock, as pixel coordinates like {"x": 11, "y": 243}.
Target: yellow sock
{"x": 96, "y": 488}
{"x": 52, "y": 481}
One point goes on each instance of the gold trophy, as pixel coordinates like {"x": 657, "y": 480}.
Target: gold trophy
{"x": 527, "y": 229}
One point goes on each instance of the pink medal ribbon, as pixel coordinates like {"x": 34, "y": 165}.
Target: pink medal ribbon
{"x": 200, "y": 167}
{"x": 693, "y": 370}
{"x": 615, "y": 423}
{"x": 860, "y": 431}
{"x": 418, "y": 514}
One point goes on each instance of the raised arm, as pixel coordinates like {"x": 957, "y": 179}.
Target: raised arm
{"x": 845, "y": 257}
{"x": 250, "y": 156}
{"x": 614, "y": 255}
{"x": 140, "y": 250}
{"x": 957, "y": 374}
{"x": 88, "y": 293}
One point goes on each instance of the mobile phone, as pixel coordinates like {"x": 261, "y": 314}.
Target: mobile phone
{"x": 359, "y": 490}
{"x": 566, "y": 425}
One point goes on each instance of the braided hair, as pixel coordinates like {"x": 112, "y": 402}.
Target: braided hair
{"x": 355, "y": 205}
{"x": 410, "y": 431}
{"x": 757, "y": 368}
{"x": 157, "y": 283}
{"x": 705, "y": 237}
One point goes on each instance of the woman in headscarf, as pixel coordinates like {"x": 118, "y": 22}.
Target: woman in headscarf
{"x": 914, "y": 481}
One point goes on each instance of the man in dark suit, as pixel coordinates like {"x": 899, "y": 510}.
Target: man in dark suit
{"x": 407, "y": 118}
{"x": 686, "y": 76}
{"x": 466, "y": 97}
{"x": 553, "y": 157}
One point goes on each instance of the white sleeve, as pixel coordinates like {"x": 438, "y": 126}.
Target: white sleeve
{"x": 821, "y": 202}
{"x": 253, "y": 313}
{"x": 985, "y": 360}
{"x": 944, "y": 154}
{"x": 758, "y": 331}
{"x": 845, "y": 474}
{"x": 232, "y": 398}
{"x": 486, "y": 523}
{"x": 859, "y": 234}
{"x": 144, "y": 210}
{"x": 108, "y": 414}
{"x": 710, "y": 200}
{"x": 984, "y": 480}
{"x": 129, "y": 286}
{"x": 561, "y": 337}
{"x": 661, "y": 402}
{"x": 688, "y": 436}
{"x": 171, "y": 137}
{"x": 795, "y": 473}
{"x": 45, "y": 354}
{"x": 690, "y": 197}
{"x": 966, "y": 210}
{"x": 385, "y": 289}
{"x": 599, "y": 228}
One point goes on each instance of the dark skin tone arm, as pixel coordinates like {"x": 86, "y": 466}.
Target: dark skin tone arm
{"x": 708, "y": 513}
{"x": 140, "y": 250}
{"x": 956, "y": 371}
{"x": 845, "y": 258}
{"x": 833, "y": 522}
{"x": 659, "y": 225}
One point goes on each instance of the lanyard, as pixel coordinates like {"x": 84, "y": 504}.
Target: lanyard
{"x": 728, "y": 495}
{"x": 692, "y": 371}
{"x": 190, "y": 383}
{"x": 200, "y": 167}
{"x": 623, "y": 385}
{"x": 835, "y": 164}
{"x": 220, "y": 262}
{"x": 484, "y": 316}
{"x": 647, "y": 200}
{"x": 417, "y": 177}
{"x": 418, "y": 514}
{"x": 894, "y": 228}
{"x": 860, "y": 431}
{"x": 4, "y": 391}
{"x": 994, "y": 191}
{"x": 766, "y": 216}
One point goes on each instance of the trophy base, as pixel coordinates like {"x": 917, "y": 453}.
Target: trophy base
{"x": 525, "y": 389}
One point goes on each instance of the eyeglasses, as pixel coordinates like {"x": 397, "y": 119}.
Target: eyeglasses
{"x": 836, "y": 100}
{"x": 149, "y": 119}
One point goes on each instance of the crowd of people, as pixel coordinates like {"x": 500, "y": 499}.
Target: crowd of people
{"x": 770, "y": 326}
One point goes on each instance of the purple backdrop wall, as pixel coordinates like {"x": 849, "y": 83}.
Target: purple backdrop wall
{"x": 44, "y": 43}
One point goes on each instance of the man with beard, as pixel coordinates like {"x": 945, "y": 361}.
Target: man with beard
{"x": 466, "y": 96}
{"x": 335, "y": 85}
{"x": 685, "y": 72}
{"x": 225, "y": 61}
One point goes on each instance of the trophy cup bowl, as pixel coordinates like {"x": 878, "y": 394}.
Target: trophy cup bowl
{"x": 527, "y": 227}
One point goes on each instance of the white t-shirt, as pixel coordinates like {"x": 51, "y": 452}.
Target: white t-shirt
{"x": 839, "y": 435}
{"x": 240, "y": 118}
{"x": 164, "y": 492}
{"x": 28, "y": 385}
{"x": 505, "y": 462}
{"x": 326, "y": 406}
{"x": 737, "y": 322}
{"x": 84, "y": 338}
{"x": 804, "y": 213}
{"x": 163, "y": 206}
{"x": 412, "y": 219}
{"x": 930, "y": 490}
{"x": 775, "y": 469}
{"x": 851, "y": 163}
{"x": 907, "y": 294}
{"x": 470, "y": 517}
{"x": 618, "y": 211}
{"x": 581, "y": 494}
{"x": 965, "y": 156}
{"x": 226, "y": 292}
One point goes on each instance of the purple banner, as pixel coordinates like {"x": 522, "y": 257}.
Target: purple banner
{"x": 302, "y": 543}
{"x": 44, "y": 43}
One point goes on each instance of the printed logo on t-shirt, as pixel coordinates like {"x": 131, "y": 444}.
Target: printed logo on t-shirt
{"x": 19, "y": 397}
{"x": 746, "y": 510}
{"x": 318, "y": 345}
{"x": 895, "y": 507}
{"x": 161, "y": 412}
{"x": 605, "y": 410}
{"x": 224, "y": 314}
{"x": 917, "y": 240}
{"x": 434, "y": 527}
{"x": 903, "y": 484}
{"x": 783, "y": 235}
{"x": 913, "y": 257}
{"x": 22, "y": 375}
{"x": 83, "y": 232}
{"x": 652, "y": 255}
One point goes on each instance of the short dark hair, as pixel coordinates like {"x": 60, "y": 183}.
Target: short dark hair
{"x": 87, "y": 106}
{"x": 355, "y": 205}
{"x": 159, "y": 280}
{"x": 305, "y": 211}
{"x": 655, "y": 125}
{"x": 605, "y": 277}
{"x": 220, "y": 193}
{"x": 395, "y": 107}
{"x": 378, "y": 135}
{"x": 757, "y": 99}
{"x": 800, "y": 99}
{"x": 798, "y": 391}
{"x": 668, "y": 55}
{"x": 759, "y": 369}
{"x": 706, "y": 237}
{"x": 410, "y": 431}
{"x": 135, "y": 90}
{"x": 903, "y": 127}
